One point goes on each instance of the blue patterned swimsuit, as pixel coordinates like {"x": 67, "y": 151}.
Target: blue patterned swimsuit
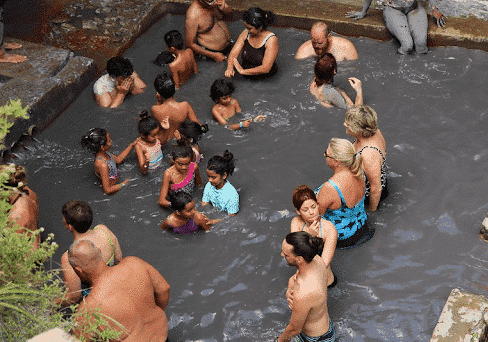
{"x": 350, "y": 223}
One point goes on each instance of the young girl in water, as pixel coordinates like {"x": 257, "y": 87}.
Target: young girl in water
{"x": 309, "y": 220}
{"x": 182, "y": 176}
{"x": 188, "y": 134}
{"x": 148, "y": 147}
{"x": 98, "y": 141}
{"x": 185, "y": 219}
{"x": 218, "y": 190}
{"x": 226, "y": 106}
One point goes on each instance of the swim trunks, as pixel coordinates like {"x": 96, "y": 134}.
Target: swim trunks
{"x": 188, "y": 228}
{"x": 384, "y": 182}
{"x": 113, "y": 173}
{"x": 225, "y": 198}
{"x": 253, "y": 57}
{"x": 186, "y": 185}
{"x": 350, "y": 223}
{"x": 155, "y": 154}
{"x": 105, "y": 84}
{"x": 329, "y": 336}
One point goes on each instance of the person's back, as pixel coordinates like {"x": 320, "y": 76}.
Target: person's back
{"x": 126, "y": 293}
{"x": 183, "y": 66}
{"x": 25, "y": 212}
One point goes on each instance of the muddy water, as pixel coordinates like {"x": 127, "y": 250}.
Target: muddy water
{"x": 229, "y": 284}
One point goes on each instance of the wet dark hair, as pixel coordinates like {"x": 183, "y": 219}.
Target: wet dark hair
{"x": 78, "y": 214}
{"x": 181, "y": 151}
{"x": 94, "y": 139}
{"x": 165, "y": 86}
{"x": 258, "y": 18}
{"x": 221, "y": 87}
{"x": 222, "y": 165}
{"x": 119, "y": 66}
{"x": 305, "y": 245}
{"x": 174, "y": 39}
{"x": 191, "y": 132}
{"x": 325, "y": 69}
{"x": 301, "y": 194}
{"x": 146, "y": 123}
{"x": 179, "y": 200}
{"x": 164, "y": 58}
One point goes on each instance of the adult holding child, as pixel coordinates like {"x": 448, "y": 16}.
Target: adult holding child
{"x": 257, "y": 46}
{"x": 362, "y": 124}
{"x": 406, "y": 20}
{"x": 341, "y": 198}
{"x": 323, "y": 89}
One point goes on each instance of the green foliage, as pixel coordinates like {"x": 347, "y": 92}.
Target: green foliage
{"x": 8, "y": 114}
{"x": 96, "y": 326}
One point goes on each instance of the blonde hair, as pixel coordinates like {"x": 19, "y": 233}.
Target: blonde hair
{"x": 343, "y": 151}
{"x": 362, "y": 120}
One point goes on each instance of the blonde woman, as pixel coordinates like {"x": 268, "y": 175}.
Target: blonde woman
{"x": 341, "y": 198}
{"x": 362, "y": 124}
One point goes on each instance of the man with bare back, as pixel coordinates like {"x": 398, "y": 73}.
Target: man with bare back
{"x": 322, "y": 41}
{"x": 7, "y": 57}
{"x": 133, "y": 293}
{"x": 307, "y": 290}
{"x": 206, "y": 32}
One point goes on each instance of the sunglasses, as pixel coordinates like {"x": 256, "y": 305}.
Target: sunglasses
{"x": 327, "y": 156}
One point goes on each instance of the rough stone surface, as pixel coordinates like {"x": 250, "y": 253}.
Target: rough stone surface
{"x": 463, "y": 318}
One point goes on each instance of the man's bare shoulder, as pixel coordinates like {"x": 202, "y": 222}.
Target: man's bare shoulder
{"x": 343, "y": 48}
{"x": 305, "y": 50}
{"x": 194, "y": 11}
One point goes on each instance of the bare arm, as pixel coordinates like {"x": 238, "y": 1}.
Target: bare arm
{"x": 359, "y": 15}
{"x": 198, "y": 179}
{"x": 270, "y": 54}
{"x": 203, "y": 222}
{"x": 191, "y": 114}
{"x": 222, "y": 121}
{"x": 163, "y": 202}
{"x": 357, "y": 85}
{"x": 71, "y": 281}
{"x": 141, "y": 158}
{"x": 234, "y": 53}
{"x": 160, "y": 286}
{"x": 305, "y": 50}
{"x": 120, "y": 158}
{"x": 324, "y": 198}
{"x": 138, "y": 84}
{"x": 372, "y": 168}
{"x": 101, "y": 168}
{"x": 301, "y": 307}
{"x": 330, "y": 241}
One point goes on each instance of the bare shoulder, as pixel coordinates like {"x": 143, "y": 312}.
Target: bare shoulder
{"x": 296, "y": 224}
{"x": 193, "y": 11}
{"x": 305, "y": 50}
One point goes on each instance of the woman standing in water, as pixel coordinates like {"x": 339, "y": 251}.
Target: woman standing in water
{"x": 259, "y": 47}
{"x": 341, "y": 198}
{"x": 362, "y": 124}
{"x": 309, "y": 220}
{"x": 406, "y": 20}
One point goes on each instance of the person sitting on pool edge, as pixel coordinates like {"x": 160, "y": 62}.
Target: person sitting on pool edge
{"x": 184, "y": 64}
{"x": 132, "y": 293}
{"x": 322, "y": 41}
{"x": 307, "y": 290}
{"x": 78, "y": 218}
{"x": 205, "y": 31}
{"x": 110, "y": 89}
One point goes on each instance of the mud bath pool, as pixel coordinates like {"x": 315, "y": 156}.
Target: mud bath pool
{"x": 229, "y": 284}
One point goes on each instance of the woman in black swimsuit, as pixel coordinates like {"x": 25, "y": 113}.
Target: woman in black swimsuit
{"x": 257, "y": 47}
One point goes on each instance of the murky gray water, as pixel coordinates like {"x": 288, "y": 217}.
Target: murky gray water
{"x": 229, "y": 284}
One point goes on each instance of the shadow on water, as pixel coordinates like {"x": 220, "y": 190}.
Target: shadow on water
{"x": 228, "y": 284}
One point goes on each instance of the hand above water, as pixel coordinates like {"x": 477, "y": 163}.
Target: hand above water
{"x": 124, "y": 86}
{"x": 219, "y": 57}
{"x": 165, "y": 123}
{"x": 355, "y": 15}
{"x": 440, "y": 19}
{"x": 355, "y": 83}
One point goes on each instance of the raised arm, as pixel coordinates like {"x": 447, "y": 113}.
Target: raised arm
{"x": 120, "y": 158}
{"x": 359, "y": 15}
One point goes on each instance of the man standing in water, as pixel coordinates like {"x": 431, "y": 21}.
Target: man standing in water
{"x": 322, "y": 41}
{"x": 4, "y": 57}
{"x": 206, "y": 32}
{"x": 133, "y": 293}
{"x": 307, "y": 290}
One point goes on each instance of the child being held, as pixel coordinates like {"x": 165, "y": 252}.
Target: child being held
{"x": 148, "y": 146}
{"x": 218, "y": 190}
{"x": 184, "y": 64}
{"x": 226, "y": 106}
{"x": 185, "y": 219}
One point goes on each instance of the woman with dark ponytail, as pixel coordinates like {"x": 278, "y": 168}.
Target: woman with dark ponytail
{"x": 341, "y": 198}
{"x": 259, "y": 47}
{"x": 218, "y": 190}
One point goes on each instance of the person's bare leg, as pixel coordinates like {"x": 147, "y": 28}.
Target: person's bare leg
{"x": 12, "y": 46}
{"x": 11, "y": 58}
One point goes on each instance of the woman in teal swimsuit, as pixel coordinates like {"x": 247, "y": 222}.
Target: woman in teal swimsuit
{"x": 308, "y": 220}
{"x": 341, "y": 198}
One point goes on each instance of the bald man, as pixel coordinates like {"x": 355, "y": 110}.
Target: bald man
{"x": 322, "y": 41}
{"x": 133, "y": 293}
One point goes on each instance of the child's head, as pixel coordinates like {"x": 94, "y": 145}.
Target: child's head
{"x": 174, "y": 40}
{"x": 78, "y": 214}
{"x": 220, "y": 88}
{"x": 190, "y": 132}
{"x": 147, "y": 126}
{"x": 119, "y": 67}
{"x": 164, "y": 58}
{"x": 182, "y": 156}
{"x": 258, "y": 18}
{"x": 325, "y": 69}
{"x": 165, "y": 86}
{"x": 94, "y": 139}
{"x": 219, "y": 168}
{"x": 183, "y": 204}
